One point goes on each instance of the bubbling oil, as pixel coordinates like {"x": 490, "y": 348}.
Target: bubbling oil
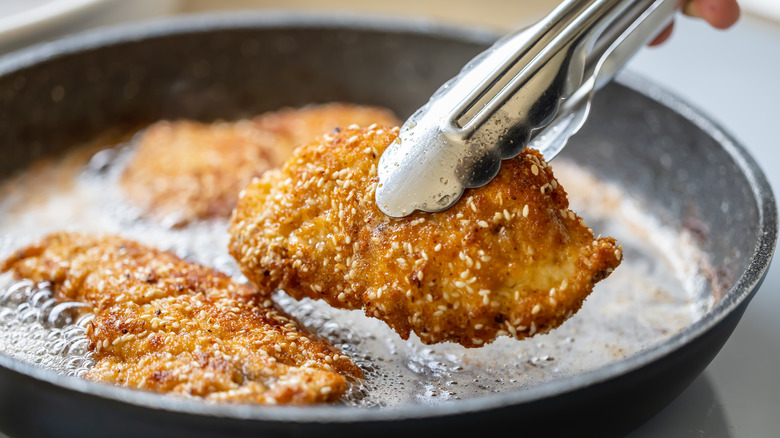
{"x": 39, "y": 329}
{"x": 658, "y": 290}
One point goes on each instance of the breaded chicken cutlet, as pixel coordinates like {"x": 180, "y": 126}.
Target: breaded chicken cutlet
{"x": 168, "y": 325}
{"x": 184, "y": 171}
{"x": 510, "y": 258}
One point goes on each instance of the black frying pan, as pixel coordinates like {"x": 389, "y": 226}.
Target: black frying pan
{"x": 134, "y": 75}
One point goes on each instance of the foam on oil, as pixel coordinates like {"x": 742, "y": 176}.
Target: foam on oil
{"x": 657, "y": 291}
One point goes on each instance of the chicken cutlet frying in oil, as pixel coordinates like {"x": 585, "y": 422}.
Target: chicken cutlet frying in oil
{"x": 184, "y": 171}
{"x": 168, "y": 325}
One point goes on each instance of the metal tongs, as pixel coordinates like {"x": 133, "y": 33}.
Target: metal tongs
{"x": 533, "y": 87}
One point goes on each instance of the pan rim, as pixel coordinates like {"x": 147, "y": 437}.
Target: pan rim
{"x": 743, "y": 289}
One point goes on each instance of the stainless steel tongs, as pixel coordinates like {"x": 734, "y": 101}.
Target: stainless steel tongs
{"x": 532, "y": 87}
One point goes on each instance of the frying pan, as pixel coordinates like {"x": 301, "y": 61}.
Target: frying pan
{"x": 227, "y": 67}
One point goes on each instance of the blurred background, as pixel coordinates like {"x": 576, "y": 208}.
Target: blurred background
{"x": 730, "y": 75}
{"x": 24, "y": 22}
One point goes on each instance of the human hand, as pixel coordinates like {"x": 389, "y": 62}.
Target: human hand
{"x": 720, "y": 14}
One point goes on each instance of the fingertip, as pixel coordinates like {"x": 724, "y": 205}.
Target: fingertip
{"x": 720, "y": 14}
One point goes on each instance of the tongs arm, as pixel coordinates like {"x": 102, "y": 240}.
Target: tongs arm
{"x": 543, "y": 76}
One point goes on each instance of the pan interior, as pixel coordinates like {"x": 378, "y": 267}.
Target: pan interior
{"x": 660, "y": 289}
{"x": 639, "y": 171}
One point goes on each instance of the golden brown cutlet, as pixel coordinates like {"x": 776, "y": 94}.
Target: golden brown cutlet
{"x": 168, "y": 325}
{"x": 184, "y": 171}
{"x": 510, "y": 258}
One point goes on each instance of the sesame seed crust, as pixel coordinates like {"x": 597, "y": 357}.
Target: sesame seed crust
{"x": 167, "y": 325}
{"x": 483, "y": 268}
{"x": 183, "y": 171}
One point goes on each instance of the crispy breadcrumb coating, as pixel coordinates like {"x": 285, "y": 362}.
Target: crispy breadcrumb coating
{"x": 168, "y": 325}
{"x": 510, "y": 258}
{"x": 184, "y": 171}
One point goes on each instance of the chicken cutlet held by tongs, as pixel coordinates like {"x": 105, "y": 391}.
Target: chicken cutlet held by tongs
{"x": 509, "y": 258}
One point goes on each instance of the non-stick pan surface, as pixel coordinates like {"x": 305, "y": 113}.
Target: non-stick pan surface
{"x": 668, "y": 155}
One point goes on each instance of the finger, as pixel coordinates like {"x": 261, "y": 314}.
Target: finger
{"x": 663, "y": 36}
{"x": 718, "y": 13}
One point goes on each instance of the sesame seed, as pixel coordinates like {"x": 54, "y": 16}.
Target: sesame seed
{"x": 534, "y": 169}
{"x": 536, "y": 309}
